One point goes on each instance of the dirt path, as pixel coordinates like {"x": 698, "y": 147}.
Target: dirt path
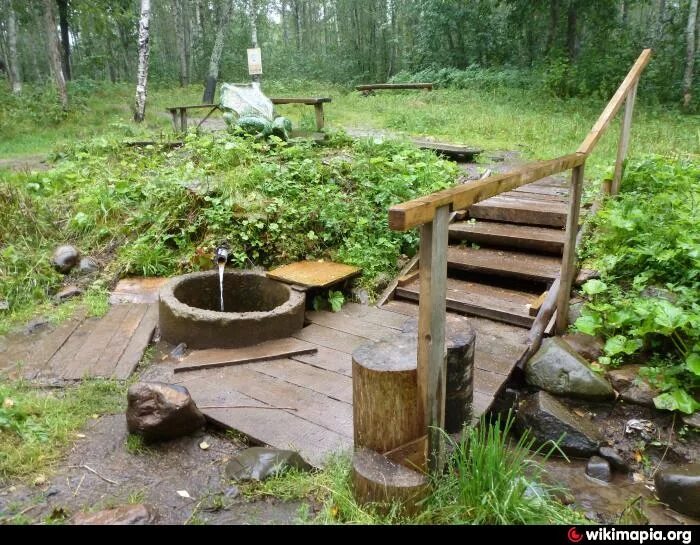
{"x": 25, "y": 163}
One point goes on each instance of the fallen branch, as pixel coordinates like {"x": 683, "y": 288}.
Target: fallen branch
{"x": 85, "y": 466}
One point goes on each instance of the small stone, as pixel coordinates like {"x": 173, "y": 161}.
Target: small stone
{"x": 599, "y": 468}
{"x": 575, "y": 311}
{"x": 258, "y": 463}
{"x": 40, "y": 480}
{"x": 159, "y": 411}
{"x": 360, "y": 295}
{"x": 179, "y": 351}
{"x": 65, "y": 258}
{"x": 36, "y": 325}
{"x": 4, "y": 305}
{"x": 622, "y": 377}
{"x": 641, "y": 393}
{"x": 558, "y": 369}
{"x": 615, "y": 459}
{"x": 585, "y": 275}
{"x": 692, "y": 420}
{"x": 586, "y": 346}
{"x": 88, "y": 265}
{"x": 549, "y": 420}
{"x": 68, "y": 293}
{"x": 679, "y": 487}
{"x": 52, "y": 492}
{"x": 133, "y": 515}
{"x": 232, "y": 492}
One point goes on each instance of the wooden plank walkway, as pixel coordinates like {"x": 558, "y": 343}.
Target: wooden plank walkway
{"x": 304, "y": 402}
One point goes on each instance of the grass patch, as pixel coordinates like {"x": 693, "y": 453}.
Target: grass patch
{"x": 38, "y": 425}
{"x": 135, "y": 445}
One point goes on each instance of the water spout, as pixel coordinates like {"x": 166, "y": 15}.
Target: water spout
{"x": 221, "y": 260}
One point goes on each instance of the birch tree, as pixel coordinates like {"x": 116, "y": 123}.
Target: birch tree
{"x": 690, "y": 54}
{"x": 215, "y": 60}
{"x": 178, "y": 9}
{"x": 54, "y": 52}
{"x": 12, "y": 61}
{"x": 142, "y": 71}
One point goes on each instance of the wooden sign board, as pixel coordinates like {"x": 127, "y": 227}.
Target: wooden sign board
{"x": 254, "y": 61}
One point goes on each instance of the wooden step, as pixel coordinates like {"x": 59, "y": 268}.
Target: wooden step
{"x": 504, "y": 263}
{"x": 510, "y": 235}
{"x": 524, "y": 211}
{"x": 504, "y": 305}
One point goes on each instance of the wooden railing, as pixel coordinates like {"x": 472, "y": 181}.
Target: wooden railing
{"x": 431, "y": 213}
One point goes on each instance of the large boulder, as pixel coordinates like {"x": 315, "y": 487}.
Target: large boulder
{"x": 558, "y": 369}
{"x": 549, "y": 420}
{"x": 258, "y": 463}
{"x": 679, "y": 487}
{"x": 65, "y": 258}
{"x": 135, "y": 515}
{"x": 158, "y": 411}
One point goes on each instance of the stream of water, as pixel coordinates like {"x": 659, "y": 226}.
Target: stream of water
{"x": 221, "y": 284}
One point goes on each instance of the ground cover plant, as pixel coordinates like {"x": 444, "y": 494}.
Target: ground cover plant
{"x": 647, "y": 247}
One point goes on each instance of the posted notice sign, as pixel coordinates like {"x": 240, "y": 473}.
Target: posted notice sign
{"x": 254, "y": 61}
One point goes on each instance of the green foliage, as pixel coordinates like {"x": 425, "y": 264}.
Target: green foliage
{"x": 36, "y": 426}
{"x": 334, "y": 300}
{"x": 647, "y": 248}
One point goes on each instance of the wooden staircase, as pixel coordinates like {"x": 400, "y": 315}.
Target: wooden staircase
{"x": 503, "y": 255}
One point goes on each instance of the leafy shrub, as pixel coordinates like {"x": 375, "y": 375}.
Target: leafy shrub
{"x": 647, "y": 248}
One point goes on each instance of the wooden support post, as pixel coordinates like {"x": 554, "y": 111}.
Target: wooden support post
{"x": 183, "y": 120}
{"x": 568, "y": 263}
{"x": 624, "y": 139}
{"x": 607, "y": 186}
{"x": 431, "y": 333}
{"x": 318, "y": 108}
{"x": 173, "y": 114}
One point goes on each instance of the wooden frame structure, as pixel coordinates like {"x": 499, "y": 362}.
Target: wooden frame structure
{"x": 371, "y": 87}
{"x": 432, "y": 212}
{"x": 179, "y": 113}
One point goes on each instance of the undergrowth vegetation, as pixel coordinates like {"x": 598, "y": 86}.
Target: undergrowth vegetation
{"x": 146, "y": 211}
{"x": 489, "y": 479}
{"x": 646, "y": 245}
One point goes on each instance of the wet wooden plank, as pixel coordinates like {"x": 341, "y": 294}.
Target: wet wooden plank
{"x": 352, "y": 325}
{"x": 524, "y": 211}
{"x": 481, "y": 403}
{"x": 504, "y": 263}
{"x": 137, "y": 290}
{"x": 112, "y": 353}
{"x": 331, "y": 338}
{"x": 536, "y": 197}
{"x": 328, "y": 359}
{"x": 277, "y": 428}
{"x": 140, "y": 340}
{"x": 222, "y": 357}
{"x": 509, "y": 235}
{"x": 488, "y": 382}
{"x": 65, "y": 358}
{"x": 306, "y": 376}
{"x": 314, "y": 274}
{"x": 543, "y": 190}
{"x": 372, "y": 315}
{"x": 509, "y": 306}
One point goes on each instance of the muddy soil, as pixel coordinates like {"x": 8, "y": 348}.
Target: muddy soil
{"x": 25, "y": 163}
{"x": 152, "y": 477}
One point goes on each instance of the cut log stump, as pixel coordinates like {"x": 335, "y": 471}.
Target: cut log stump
{"x": 381, "y": 483}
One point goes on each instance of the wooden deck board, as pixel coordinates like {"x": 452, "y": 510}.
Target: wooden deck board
{"x": 504, "y": 263}
{"x": 509, "y": 235}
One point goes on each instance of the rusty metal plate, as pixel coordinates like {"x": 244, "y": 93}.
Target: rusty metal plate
{"x": 314, "y": 274}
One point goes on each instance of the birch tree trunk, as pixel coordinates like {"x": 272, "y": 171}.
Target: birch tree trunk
{"x": 180, "y": 35}
{"x": 254, "y": 32}
{"x": 54, "y": 52}
{"x": 213, "y": 74}
{"x": 65, "y": 40}
{"x": 690, "y": 54}
{"x": 142, "y": 71}
{"x": 13, "y": 68}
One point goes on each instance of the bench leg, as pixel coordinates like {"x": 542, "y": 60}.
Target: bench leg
{"x": 183, "y": 120}
{"x": 173, "y": 113}
{"x": 320, "y": 122}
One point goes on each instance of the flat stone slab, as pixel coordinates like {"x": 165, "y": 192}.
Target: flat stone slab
{"x": 314, "y": 274}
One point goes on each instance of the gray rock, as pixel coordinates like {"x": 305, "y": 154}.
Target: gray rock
{"x": 585, "y": 275}
{"x": 549, "y": 420}
{"x": 623, "y": 377}
{"x": 599, "y": 468}
{"x": 179, "y": 351}
{"x": 656, "y": 292}
{"x": 232, "y": 492}
{"x": 692, "y": 420}
{"x": 68, "y": 293}
{"x": 36, "y": 325}
{"x": 360, "y": 295}
{"x": 158, "y": 411}
{"x": 587, "y": 346}
{"x": 89, "y": 265}
{"x": 65, "y": 258}
{"x": 575, "y": 311}
{"x": 679, "y": 487}
{"x": 615, "y": 459}
{"x": 258, "y": 463}
{"x": 558, "y": 369}
{"x": 134, "y": 515}
{"x": 4, "y": 305}
{"x": 640, "y": 394}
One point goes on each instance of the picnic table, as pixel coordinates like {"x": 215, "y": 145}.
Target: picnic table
{"x": 369, "y": 88}
{"x": 179, "y": 113}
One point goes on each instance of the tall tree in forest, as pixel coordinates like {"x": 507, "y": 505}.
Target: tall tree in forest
{"x": 65, "y": 38}
{"x": 142, "y": 71}
{"x": 690, "y": 54}
{"x": 12, "y": 61}
{"x": 178, "y": 12}
{"x": 54, "y": 51}
{"x": 254, "y": 31}
{"x": 213, "y": 73}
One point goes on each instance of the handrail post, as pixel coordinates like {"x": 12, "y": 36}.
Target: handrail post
{"x": 431, "y": 333}
{"x": 624, "y": 141}
{"x": 568, "y": 267}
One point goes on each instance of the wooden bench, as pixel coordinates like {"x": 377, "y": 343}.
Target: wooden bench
{"x": 179, "y": 113}
{"x": 371, "y": 87}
